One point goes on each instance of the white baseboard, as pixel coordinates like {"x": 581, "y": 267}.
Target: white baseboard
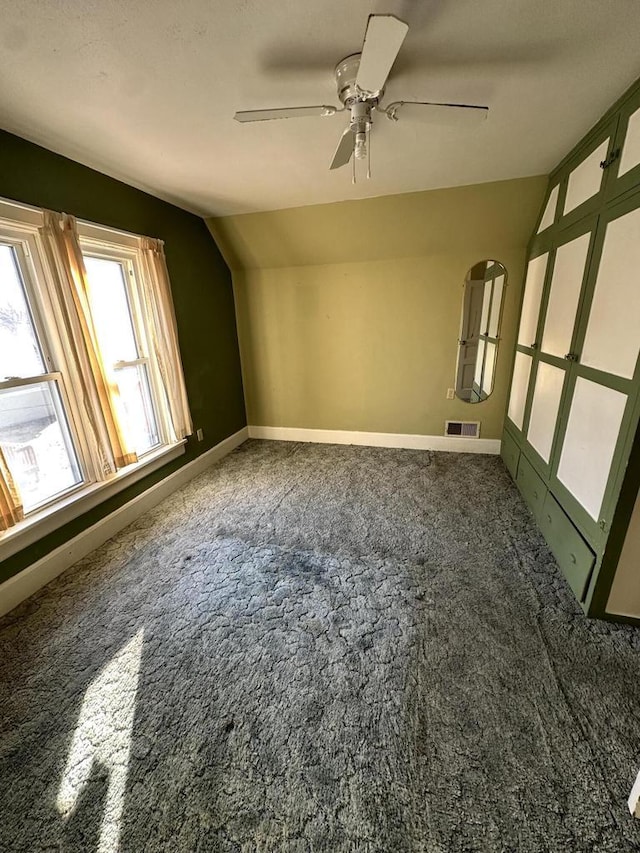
{"x": 448, "y": 443}
{"x": 30, "y": 580}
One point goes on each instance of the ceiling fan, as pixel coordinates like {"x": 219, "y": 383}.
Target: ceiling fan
{"x": 360, "y": 79}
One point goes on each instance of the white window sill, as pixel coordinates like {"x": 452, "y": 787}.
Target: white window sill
{"x": 48, "y": 519}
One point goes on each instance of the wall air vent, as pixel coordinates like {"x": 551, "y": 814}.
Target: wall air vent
{"x": 462, "y": 429}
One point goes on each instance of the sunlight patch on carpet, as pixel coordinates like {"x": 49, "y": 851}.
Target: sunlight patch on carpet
{"x": 103, "y": 735}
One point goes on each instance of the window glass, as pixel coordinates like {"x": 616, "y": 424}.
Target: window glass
{"x": 55, "y": 432}
{"x": 35, "y": 438}
{"x": 110, "y": 310}
{"x": 34, "y": 432}
{"x": 128, "y": 366}
{"x": 20, "y": 353}
{"x": 133, "y": 384}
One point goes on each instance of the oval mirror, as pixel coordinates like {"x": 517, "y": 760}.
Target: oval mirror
{"x": 480, "y": 330}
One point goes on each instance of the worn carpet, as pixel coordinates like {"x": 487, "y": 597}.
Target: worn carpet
{"x": 320, "y": 648}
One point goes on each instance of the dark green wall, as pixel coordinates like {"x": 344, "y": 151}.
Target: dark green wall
{"x": 202, "y": 292}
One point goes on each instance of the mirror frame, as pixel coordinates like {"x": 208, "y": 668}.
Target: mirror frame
{"x": 485, "y": 340}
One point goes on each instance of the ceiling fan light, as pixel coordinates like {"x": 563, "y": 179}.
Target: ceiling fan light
{"x": 360, "y": 149}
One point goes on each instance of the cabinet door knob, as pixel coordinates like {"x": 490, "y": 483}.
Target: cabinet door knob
{"x": 571, "y": 356}
{"x": 534, "y": 345}
{"x": 572, "y": 557}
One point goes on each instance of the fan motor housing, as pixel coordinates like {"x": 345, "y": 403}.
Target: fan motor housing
{"x": 360, "y": 116}
{"x": 346, "y": 73}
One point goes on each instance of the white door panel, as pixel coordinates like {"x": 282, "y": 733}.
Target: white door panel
{"x": 550, "y": 210}
{"x": 496, "y": 302}
{"x": 589, "y": 442}
{"x": 477, "y": 377}
{"x": 489, "y": 368}
{"x": 586, "y": 178}
{"x": 531, "y": 302}
{"x": 544, "y": 408}
{"x": 519, "y": 387}
{"x": 631, "y": 150}
{"x": 612, "y": 340}
{"x": 486, "y": 303}
{"x": 566, "y": 284}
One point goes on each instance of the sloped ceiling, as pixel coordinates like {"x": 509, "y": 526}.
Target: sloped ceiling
{"x": 477, "y": 219}
{"x": 146, "y": 90}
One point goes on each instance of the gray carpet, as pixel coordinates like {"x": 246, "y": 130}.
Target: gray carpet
{"x": 317, "y": 648}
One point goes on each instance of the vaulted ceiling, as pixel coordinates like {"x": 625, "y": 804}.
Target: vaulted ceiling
{"x": 145, "y": 90}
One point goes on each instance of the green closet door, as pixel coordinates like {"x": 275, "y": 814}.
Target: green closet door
{"x": 598, "y": 415}
{"x": 527, "y": 343}
{"x": 562, "y": 300}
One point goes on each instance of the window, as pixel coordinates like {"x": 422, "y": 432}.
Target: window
{"x": 114, "y": 299}
{"x": 35, "y": 432}
{"x": 91, "y": 383}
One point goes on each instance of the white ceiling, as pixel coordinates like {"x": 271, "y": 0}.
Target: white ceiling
{"x": 145, "y": 90}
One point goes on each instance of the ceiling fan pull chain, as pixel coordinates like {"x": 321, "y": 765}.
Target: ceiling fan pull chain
{"x": 369, "y": 157}
{"x": 353, "y": 163}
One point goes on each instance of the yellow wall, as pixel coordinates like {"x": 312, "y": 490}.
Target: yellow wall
{"x": 624, "y": 598}
{"x": 348, "y": 313}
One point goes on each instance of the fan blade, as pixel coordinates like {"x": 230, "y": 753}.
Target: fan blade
{"x": 451, "y": 114}
{"x": 284, "y": 112}
{"x": 382, "y": 41}
{"x": 344, "y": 150}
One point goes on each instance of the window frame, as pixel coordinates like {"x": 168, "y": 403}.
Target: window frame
{"x": 129, "y": 257}
{"x": 20, "y": 224}
{"x": 36, "y": 281}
